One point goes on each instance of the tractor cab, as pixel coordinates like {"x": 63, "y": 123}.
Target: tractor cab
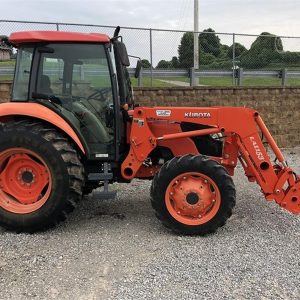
{"x": 83, "y": 78}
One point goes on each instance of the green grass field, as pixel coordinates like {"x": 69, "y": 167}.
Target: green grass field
{"x": 7, "y": 63}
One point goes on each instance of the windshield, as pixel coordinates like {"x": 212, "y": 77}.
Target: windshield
{"x": 73, "y": 70}
{"x": 76, "y": 79}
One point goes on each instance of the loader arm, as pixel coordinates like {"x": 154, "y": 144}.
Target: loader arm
{"x": 241, "y": 128}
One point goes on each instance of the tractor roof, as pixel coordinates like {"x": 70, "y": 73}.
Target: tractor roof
{"x": 24, "y": 37}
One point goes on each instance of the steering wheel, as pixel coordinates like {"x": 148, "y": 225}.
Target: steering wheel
{"x": 99, "y": 94}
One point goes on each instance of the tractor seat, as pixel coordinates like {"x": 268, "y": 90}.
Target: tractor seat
{"x": 45, "y": 85}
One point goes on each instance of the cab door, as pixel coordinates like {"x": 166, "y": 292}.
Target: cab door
{"x": 79, "y": 75}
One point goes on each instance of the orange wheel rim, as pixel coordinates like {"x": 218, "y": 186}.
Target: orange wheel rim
{"x": 193, "y": 198}
{"x": 25, "y": 181}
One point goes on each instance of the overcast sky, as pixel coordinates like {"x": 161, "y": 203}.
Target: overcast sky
{"x": 250, "y": 16}
{"x": 281, "y": 17}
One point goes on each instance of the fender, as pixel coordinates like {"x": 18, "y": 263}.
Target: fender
{"x": 41, "y": 112}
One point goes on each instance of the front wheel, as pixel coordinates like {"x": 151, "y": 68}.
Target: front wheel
{"x": 193, "y": 195}
{"x": 41, "y": 176}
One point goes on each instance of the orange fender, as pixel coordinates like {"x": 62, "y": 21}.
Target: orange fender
{"x": 41, "y": 112}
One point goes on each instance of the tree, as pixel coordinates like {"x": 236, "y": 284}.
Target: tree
{"x": 175, "y": 62}
{"x": 186, "y": 51}
{"x": 291, "y": 57}
{"x": 146, "y": 64}
{"x": 210, "y": 47}
{"x": 266, "y": 49}
{"x": 209, "y": 42}
{"x": 239, "y": 50}
{"x": 163, "y": 64}
{"x": 206, "y": 58}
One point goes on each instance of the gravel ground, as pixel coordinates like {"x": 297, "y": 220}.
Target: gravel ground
{"x": 118, "y": 250}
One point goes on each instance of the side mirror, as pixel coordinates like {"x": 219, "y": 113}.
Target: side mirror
{"x": 122, "y": 53}
{"x": 138, "y": 69}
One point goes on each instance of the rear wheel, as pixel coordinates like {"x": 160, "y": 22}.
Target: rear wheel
{"x": 41, "y": 176}
{"x": 193, "y": 195}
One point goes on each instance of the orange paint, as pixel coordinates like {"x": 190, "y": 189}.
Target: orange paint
{"x": 192, "y": 198}
{"x": 22, "y": 37}
{"x": 25, "y": 181}
{"x": 41, "y": 112}
{"x": 242, "y": 128}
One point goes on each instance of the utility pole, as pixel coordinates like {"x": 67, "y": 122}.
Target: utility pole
{"x": 196, "y": 30}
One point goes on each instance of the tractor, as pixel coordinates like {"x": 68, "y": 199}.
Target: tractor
{"x": 72, "y": 127}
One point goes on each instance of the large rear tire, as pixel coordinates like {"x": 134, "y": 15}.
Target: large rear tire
{"x": 41, "y": 176}
{"x": 193, "y": 195}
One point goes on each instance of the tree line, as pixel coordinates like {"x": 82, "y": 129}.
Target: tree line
{"x": 266, "y": 51}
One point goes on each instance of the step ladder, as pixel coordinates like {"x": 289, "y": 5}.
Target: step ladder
{"x": 104, "y": 177}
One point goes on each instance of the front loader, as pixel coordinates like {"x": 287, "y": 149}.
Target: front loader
{"x": 72, "y": 126}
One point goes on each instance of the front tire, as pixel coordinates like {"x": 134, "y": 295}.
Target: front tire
{"x": 193, "y": 195}
{"x": 41, "y": 176}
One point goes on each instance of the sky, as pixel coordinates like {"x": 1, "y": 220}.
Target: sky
{"x": 280, "y": 17}
{"x": 255, "y": 16}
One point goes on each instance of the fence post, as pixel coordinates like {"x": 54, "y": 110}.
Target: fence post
{"x": 140, "y": 78}
{"x": 57, "y": 27}
{"x": 283, "y": 74}
{"x": 151, "y": 57}
{"x": 233, "y": 60}
{"x": 240, "y": 76}
{"x": 192, "y": 77}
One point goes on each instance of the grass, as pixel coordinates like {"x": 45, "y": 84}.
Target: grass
{"x": 6, "y": 77}
{"x": 217, "y": 81}
{"x": 156, "y": 82}
{"x": 7, "y": 63}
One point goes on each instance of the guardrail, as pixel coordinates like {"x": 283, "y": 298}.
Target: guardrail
{"x": 237, "y": 75}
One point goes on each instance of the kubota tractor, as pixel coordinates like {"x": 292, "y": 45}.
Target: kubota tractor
{"x": 72, "y": 126}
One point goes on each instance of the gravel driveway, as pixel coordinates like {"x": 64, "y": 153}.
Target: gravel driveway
{"x": 118, "y": 250}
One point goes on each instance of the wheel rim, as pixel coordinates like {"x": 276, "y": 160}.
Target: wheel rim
{"x": 192, "y": 198}
{"x": 25, "y": 181}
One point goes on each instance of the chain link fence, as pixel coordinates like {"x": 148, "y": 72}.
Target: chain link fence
{"x": 224, "y": 59}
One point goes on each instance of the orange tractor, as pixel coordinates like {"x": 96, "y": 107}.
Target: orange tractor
{"x": 72, "y": 126}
